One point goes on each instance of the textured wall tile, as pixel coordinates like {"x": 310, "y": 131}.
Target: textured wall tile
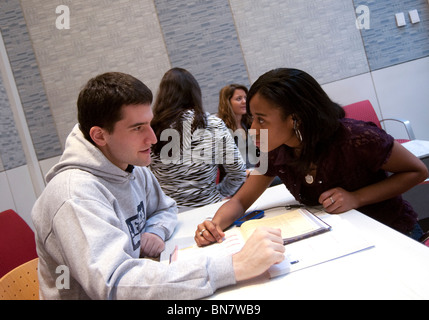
{"x": 218, "y": 41}
{"x": 201, "y": 37}
{"x": 28, "y": 80}
{"x": 104, "y": 35}
{"x": 319, "y": 37}
{"x": 11, "y": 152}
{"x": 385, "y": 43}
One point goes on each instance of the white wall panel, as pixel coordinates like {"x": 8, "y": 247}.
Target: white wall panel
{"x": 6, "y": 199}
{"x": 352, "y": 90}
{"x": 403, "y": 92}
{"x": 23, "y": 194}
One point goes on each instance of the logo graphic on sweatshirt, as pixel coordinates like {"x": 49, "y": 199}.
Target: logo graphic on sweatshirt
{"x": 135, "y": 225}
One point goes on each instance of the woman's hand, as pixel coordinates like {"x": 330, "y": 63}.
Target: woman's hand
{"x": 207, "y": 233}
{"x": 407, "y": 171}
{"x": 338, "y": 200}
{"x": 211, "y": 231}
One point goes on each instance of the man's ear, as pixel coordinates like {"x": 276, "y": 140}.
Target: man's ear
{"x": 98, "y": 135}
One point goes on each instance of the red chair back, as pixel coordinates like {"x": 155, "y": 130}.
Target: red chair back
{"x": 362, "y": 110}
{"x": 17, "y": 243}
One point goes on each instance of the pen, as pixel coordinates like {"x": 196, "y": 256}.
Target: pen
{"x": 173, "y": 255}
{"x": 256, "y": 214}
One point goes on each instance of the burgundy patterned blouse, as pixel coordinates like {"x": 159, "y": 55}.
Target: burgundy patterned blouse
{"x": 353, "y": 161}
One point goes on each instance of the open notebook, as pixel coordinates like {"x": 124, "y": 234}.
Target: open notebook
{"x": 295, "y": 225}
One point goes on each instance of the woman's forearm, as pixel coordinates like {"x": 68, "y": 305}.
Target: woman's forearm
{"x": 228, "y": 213}
{"x": 233, "y": 209}
{"x": 395, "y": 185}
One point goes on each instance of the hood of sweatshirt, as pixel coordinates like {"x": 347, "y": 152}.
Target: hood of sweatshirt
{"x": 83, "y": 155}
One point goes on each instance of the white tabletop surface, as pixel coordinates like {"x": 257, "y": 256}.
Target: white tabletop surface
{"x": 396, "y": 267}
{"x": 420, "y": 148}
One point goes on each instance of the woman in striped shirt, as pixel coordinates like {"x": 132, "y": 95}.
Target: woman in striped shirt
{"x": 192, "y": 145}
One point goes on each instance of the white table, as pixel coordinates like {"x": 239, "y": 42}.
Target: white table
{"x": 397, "y": 267}
{"x": 420, "y": 148}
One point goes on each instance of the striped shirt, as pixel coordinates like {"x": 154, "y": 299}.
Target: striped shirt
{"x": 188, "y": 174}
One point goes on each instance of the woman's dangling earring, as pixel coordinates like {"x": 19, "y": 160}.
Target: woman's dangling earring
{"x": 297, "y": 132}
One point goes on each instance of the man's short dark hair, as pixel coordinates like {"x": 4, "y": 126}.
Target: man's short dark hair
{"x": 100, "y": 101}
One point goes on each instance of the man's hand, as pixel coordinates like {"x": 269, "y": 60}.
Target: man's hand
{"x": 263, "y": 249}
{"x": 151, "y": 245}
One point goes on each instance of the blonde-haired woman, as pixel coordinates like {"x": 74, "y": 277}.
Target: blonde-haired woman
{"x": 232, "y": 110}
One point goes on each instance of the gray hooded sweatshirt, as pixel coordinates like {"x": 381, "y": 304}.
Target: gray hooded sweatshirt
{"x": 88, "y": 223}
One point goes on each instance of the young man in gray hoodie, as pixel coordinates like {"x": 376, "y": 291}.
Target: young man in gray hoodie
{"x": 102, "y": 211}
